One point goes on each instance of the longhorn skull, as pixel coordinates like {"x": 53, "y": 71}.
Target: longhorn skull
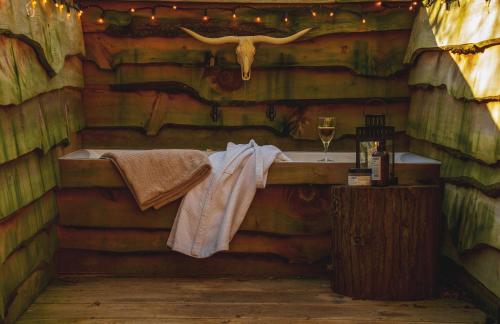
{"x": 245, "y": 51}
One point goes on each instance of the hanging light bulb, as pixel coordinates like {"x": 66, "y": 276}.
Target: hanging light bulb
{"x": 258, "y": 20}
{"x": 205, "y": 16}
{"x": 378, "y": 4}
{"x": 68, "y": 12}
{"x": 153, "y": 14}
{"x": 415, "y": 3}
{"x": 410, "y": 8}
{"x": 33, "y": 3}
{"x": 80, "y": 13}
{"x": 331, "y": 14}
{"x": 314, "y": 13}
{"x": 174, "y": 7}
{"x": 132, "y": 10}
{"x": 100, "y": 20}
{"x": 61, "y": 7}
{"x": 234, "y": 15}
{"x": 363, "y": 20}
{"x": 285, "y": 19}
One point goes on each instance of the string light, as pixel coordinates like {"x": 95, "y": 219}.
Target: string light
{"x": 410, "y": 8}
{"x": 415, "y": 3}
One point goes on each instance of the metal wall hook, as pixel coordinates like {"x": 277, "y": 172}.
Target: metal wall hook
{"x": 271, "y": 112}
{"x": 215, "y": 113}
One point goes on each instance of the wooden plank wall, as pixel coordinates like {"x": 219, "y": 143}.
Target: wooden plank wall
{"x": 41, "y": 81}
{"x": 150, "y": 85}
{"x": 454, "y": 116}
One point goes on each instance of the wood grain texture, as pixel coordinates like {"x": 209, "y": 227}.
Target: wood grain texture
{"x": 118, "y": 21}
{"x": 174, "y": 264}
{"x": 52, "y": 34}
{"x": 286, "y": 210}
{"x": 27, "y": 292}
{"x": 482, "y": 263}
{"x": 455, "y": 168}
{"x": 469, "y": 127}
{"x": 24, "y": 77}
{"x": 371, "y": 54}
{"x": 40, "y": 123}
{"x": 25, "y": 223}
{"x": 27, "y": 179}
{"x": 22, "y": 263}
{"x": 385, "y": 241}
{"x": 266, "y": 85}
{"x": 463, "y": 29}
{"x": 211, "y": 138}
{"x": 472, "y": 217}
{"x": 159, "y": 300}
{"x": 296, "y": 249}
{"x": 465, "y": 76}
{"x": 151, "y": 110}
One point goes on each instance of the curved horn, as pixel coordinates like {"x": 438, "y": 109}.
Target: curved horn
{"x": 279, "y": 41}
{"x": 212, "y": 41}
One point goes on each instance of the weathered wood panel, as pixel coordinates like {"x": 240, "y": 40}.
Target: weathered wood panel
{"x": 482, "y": 263}
{"x": 23, "y": 262}
{"x": 385, "y": 241}
{"x": 174, "y": 264}
{"x": 152, "y": 110}
{"x": 468, "y": 76}
{"x": 118, "y": 20}
{"x": 467, "y": 28}
{"x": 287, "y": 210}
{"x": 25, "y": 223}
{"x": 469, "y": 127}
{"x": 214, "y": 139}
{"x": 26, "y": 293}
{"x": 40, "y": 123}
{"x": 50, "y": 32}
{"x": 456, "y": 168}
{"x": 296, "y": 249}
{"x": 26, "y": 179}
{"x": 372, "y": 54}
{"x": 266, "y": 85}
{"x": 23, "y": 77}
{"x": 473, "y": 218}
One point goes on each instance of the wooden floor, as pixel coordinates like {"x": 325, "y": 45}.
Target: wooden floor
{"x": 165, "y": 300}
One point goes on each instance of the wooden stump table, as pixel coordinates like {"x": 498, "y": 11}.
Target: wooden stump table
{"x": 385, "y": 241}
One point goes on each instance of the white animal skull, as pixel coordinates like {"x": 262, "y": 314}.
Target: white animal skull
{"x": 245, "y": 51}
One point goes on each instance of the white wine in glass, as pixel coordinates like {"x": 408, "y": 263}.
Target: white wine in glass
{"x": 326, "y": 130}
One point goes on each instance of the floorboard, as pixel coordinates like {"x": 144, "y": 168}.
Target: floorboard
{"x": 77, "y": 299}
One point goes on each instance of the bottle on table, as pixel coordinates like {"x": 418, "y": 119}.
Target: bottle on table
{"x": 380, "y": 166}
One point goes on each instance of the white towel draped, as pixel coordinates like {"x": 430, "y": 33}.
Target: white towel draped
{"x": 212, "y": 212}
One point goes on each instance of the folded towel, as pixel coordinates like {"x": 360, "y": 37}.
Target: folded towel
{"x": 157, "y": 177}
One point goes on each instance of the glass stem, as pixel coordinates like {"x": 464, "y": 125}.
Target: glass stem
{"x": 326, "y": 145}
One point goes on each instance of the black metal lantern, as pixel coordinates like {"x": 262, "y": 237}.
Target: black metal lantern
{"x": 375, "y": 131}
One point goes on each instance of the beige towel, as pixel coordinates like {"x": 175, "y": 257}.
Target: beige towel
{"x": 157, "y": 177}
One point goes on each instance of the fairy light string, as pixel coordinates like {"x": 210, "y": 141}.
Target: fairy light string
{"x": 324, "y": 11}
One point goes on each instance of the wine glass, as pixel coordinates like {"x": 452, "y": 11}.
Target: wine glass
{"x": 326, "y": 130}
